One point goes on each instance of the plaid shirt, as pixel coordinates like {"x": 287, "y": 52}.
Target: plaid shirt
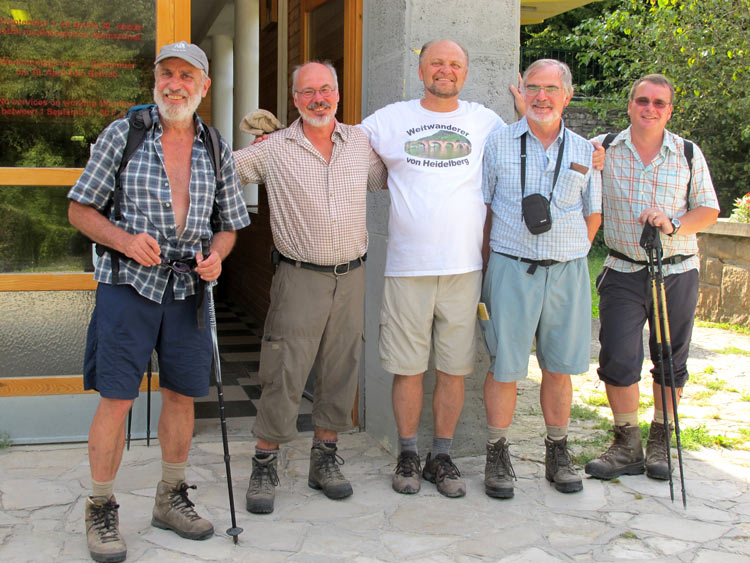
{"x": 318, "y": 208}
{"x": 575, "y": 195}
{"x": 629, "y": 187}
{"x": 146, "y": 204}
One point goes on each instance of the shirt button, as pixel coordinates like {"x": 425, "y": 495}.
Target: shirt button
{"x": 167, "y": 205}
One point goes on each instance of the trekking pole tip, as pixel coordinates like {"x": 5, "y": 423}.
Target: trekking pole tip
{"x": 234, "y": 532}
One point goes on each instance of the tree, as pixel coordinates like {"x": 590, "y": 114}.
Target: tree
{"x": 703, "y": 47}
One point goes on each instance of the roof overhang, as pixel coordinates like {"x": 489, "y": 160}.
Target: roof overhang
{"x": 536, "y": 11}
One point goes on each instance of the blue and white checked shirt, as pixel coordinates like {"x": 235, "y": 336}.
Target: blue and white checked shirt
{"x": 575, "y": 196}
{"x": 146, "y": 204}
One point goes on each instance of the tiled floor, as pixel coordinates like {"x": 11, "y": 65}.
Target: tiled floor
{"x": 239, "y": 347}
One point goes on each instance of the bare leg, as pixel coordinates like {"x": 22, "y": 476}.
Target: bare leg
{"x": 447, "y": 402}
{"x": 556, "y": 397}
{"x": 406, "y": 395}
{"x": 499, "y": 401}
{"x": 625, "y": 399}
{"x": 175, "y": 426}
{"x": 107, "y": 438}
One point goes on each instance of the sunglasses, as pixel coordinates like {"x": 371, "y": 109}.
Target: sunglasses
{"x": 177, "y": 266}
{"x": 644, "y": 102}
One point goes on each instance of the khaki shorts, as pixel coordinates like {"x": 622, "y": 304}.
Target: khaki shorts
{"x": 420, "y": 312}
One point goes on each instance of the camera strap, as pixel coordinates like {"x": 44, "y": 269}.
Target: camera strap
{"x": 557, "y": 165}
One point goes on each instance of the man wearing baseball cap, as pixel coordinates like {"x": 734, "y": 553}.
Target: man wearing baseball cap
{"x": 151, "y": 230}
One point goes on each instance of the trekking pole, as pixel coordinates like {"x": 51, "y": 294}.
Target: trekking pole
{"x": 651, "y": 242}
{"x": 234, "y": 531}
{"x": 130, "y": 424}
{"x": 148, "y": 402}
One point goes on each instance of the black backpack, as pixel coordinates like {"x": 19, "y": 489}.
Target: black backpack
{"x": 140, "y": 122}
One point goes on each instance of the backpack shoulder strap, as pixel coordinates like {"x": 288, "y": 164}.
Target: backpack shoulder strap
{"x": 139, "y": 121}
{"x": 214, "y": 150}
{"x": 608, "y": 140}
{"x": 688, "y": 150}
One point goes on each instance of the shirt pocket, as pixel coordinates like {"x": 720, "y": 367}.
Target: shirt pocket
{"x": 568, "y": 190}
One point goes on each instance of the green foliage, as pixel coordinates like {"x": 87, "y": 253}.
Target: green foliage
{"x": 5, "y": 441}
{"x": 596, "y": 258}
{"x": 703, "y": 46}
{"x": 697, "y": 437}
{"x": 733, "y": 350}
{"x": 579, "y": 412}
{"x": 596, "y": 399}
{"x": 741, "y": 211}
{"x": 740, "y": 329}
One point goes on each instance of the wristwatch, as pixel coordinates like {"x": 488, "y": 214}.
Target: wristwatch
{"x": 675, "y": 225}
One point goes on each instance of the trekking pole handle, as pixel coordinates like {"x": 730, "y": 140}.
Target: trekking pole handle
{"x": 205, "y": 247}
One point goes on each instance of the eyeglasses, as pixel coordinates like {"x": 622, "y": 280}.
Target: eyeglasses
{"x": 308, "y": 93}
{"x": 644, "y": 102}
{"x": 549, "y": 90}
{"x": 177, "y": 266}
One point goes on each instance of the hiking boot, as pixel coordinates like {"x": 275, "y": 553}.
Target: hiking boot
{"x": 263, "y": 482}
{"x": 498, "y": 472}
{"x": 406, "y": 478}
{"x": 325, "y": 473}
{"x": 174, "y": 511}
{"x": 443, "y": 472}
{"x": 559, "y": 467}
{"x": 657, "y": 466}
{"x": 623, "y": 457}
{"x": 102, "y": 530}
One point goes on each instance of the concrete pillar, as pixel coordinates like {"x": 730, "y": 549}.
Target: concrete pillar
{"x": 394, "y": 31}
{"x": 246, "y": 61}
{"x": 222, "y": 85}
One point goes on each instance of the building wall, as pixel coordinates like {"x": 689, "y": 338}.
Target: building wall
{"x": 394, "y": 31}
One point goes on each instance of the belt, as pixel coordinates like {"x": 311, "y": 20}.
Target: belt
{"x": 338, "y": 269}
{"x": 671, "y": 260}
{"x": 534, "y": 263}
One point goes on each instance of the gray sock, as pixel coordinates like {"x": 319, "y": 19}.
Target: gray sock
{"x": 408, "y": 444}
{"x": 441, "y": 446}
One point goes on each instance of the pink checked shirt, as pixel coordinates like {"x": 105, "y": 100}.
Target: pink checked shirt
{"x": 318, "y": 208}
{"x": 629, "y": 187}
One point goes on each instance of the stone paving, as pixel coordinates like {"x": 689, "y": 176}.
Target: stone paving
{"x": 43, "y": 488}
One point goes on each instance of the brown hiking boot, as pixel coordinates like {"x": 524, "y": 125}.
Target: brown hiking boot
{"x": 623, "y": 457}
{"x": 559, "y": 468}
{"x": 102, "y": 530}
{"x": 443, "y": 472}
{"x": 263, "y": 482}
{"x": 174, "y": 511}
{"x": 406, "y": 479}
{"x": 657, "y": 466}
{"x": 325, "y": 473}
{"x": 498, "y": 472}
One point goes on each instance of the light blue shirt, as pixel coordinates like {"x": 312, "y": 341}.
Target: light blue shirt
{"x": 576, "y": 195}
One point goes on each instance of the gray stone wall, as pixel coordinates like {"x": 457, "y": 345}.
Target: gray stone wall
{"x": 724, "y": 291}
{"x": 394, "y": 31}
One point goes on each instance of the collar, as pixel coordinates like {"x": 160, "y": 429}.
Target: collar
{"x": 200, "y": 129}
{"x": 522, "y": 126}
{"x": 668, "y": 142}
{"x": 295, "y": 132}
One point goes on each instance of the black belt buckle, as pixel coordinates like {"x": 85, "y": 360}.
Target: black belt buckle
{"x": 337, "y": 266}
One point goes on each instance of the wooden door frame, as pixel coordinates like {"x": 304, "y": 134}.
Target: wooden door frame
{"x": 351, "y": 89}
{"x": 172, "y": 24}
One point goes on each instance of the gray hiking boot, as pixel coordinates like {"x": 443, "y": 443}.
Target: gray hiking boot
{"x": 406, "y": 478}
{"x": 174, "y": 511}
{"x": 263, "y": 482}
{"x": 498, "y": 472}
{"x": 443, "y": 472}
{"x": 623, "y": 457}
{"x": 559, "y": 467}
{"x": 325, "y": 474}
{"x": 102, "y": 530}
{"x": 657, "y": 466}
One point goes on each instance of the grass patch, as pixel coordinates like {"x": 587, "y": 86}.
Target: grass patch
{"x": 741, "y": 329}
{"x": 596, "y": 399}
{"x": 745, "y": 397}
{"x": 5, "y": 441}
{"x": 709, "y": 370}
{"x": 697, "y": 437}
{"x": 596, "y": 258}
{"x": 745, "y": 434}
{"x": 637, "y": 496}
{"x": 591, "y": 447}
{"x": 628, "y": 535}
{"x": 580, "y": 412}
{"x": 733, "y": 350}
{"x": 645, "y": 402}
{"x": 716, "y": 384}
{"x": 699, "y": 396}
